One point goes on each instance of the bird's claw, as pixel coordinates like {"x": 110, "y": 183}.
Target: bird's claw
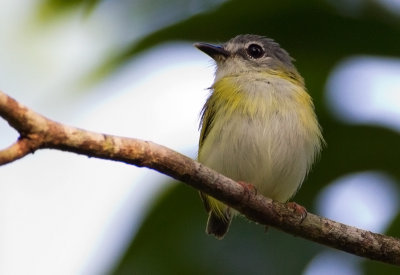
{"x": 298, "y": 210}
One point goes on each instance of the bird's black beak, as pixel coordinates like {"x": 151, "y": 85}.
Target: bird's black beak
{"x": 215, "y": 51}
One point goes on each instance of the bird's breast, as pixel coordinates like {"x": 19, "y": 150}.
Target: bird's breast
{"x": 260, "y": 133}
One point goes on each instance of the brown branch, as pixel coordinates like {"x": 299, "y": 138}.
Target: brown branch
{"x": 39, "y": 132}
{"x": 17, "y": 150}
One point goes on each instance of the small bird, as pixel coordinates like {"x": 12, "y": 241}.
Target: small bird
{"x": 258, "y": 126}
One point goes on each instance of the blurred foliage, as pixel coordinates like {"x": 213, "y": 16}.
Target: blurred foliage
{"x": 136, "y": 19}
{"x": 52, "y": 8}
{"x": 319, "y": 35}
{"x": 312, "y": 31}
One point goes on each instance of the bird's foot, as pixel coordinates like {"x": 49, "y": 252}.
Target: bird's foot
{"x": 248, "y": 187}
{"x": 249, "y": 190}
{"x": 297, "y": 209}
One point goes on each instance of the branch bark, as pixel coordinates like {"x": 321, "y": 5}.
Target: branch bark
{"x": 37, "y": 132}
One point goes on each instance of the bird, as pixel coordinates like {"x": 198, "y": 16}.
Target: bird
{"x": 258, "y": 125}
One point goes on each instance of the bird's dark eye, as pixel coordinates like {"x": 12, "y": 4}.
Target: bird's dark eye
{"x": 255, "y": 51}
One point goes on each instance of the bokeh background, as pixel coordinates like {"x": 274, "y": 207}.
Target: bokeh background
{"x": 128, "y": 68}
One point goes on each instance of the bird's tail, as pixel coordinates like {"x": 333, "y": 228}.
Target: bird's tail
{"x": 219, "y": 216}
{"x": 218, "y": 225}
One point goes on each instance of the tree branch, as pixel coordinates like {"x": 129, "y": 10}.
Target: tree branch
{"x": 37, "y": 132}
